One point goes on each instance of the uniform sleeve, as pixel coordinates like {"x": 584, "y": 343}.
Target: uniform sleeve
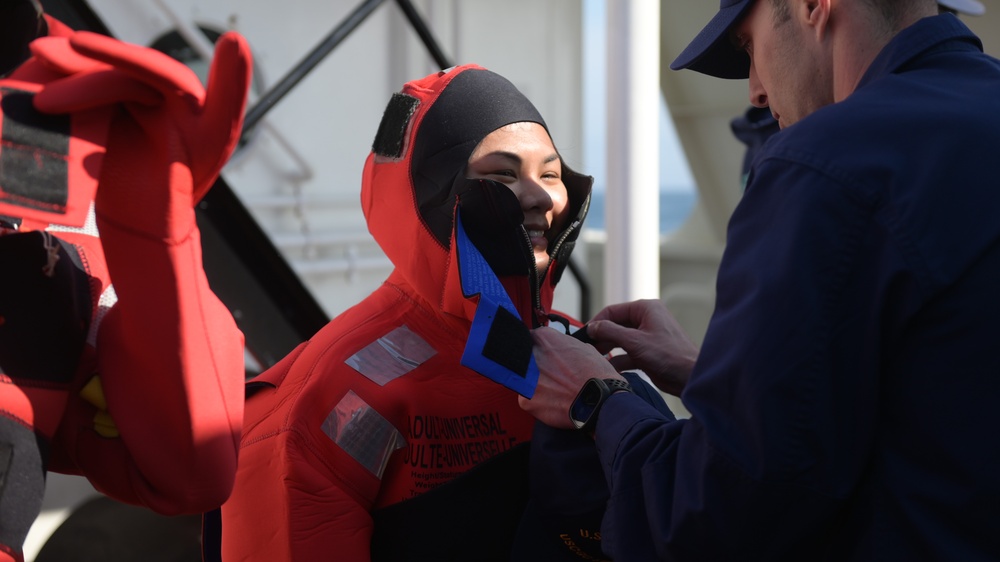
{"x": 289, "y": 506}
{"x": 782, "y": 396}
{"x": 170, "y": 359}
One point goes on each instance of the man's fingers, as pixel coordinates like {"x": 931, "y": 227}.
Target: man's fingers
{"x": 623, "y": 363}
{"x": 631, "y": 314}
{"x": 607, "y": 334}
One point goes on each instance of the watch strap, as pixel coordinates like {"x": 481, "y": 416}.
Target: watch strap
{"x": 606, "y": 387}
{"x": 616, "y": 385}
{"x": 613, "y": 386}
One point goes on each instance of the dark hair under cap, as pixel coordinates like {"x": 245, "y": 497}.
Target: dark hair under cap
{"x": 474, "y": 104}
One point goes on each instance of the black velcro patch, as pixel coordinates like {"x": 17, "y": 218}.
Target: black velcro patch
{"x": 509, "y": 342}
{"x": 34, "y": 169}
{"x": 391, "y": 133}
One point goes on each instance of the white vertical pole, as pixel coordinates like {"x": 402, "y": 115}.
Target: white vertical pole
{"x": 632, "y": 207}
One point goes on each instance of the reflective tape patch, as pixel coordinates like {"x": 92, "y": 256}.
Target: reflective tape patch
{"x": 108, "y": 299}
{"x": 362, "y": 433}
{"x": 391, "y": 356}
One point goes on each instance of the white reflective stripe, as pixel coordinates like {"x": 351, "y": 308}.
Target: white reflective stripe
{"x": 362, "y": 433}
{"x": 391, "y": 356}
{"x": 107, "y": 300}
{"x": 89, "y": 226}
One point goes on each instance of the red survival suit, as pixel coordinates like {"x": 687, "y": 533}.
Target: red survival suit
{"x": 137, "y": 386}
{"x": 377, "y": 410}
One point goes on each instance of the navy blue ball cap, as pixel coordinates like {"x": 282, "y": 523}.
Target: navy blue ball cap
{"x": 711, "y": 52}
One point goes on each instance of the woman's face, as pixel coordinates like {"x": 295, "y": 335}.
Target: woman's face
{"x": 522, "y": 157}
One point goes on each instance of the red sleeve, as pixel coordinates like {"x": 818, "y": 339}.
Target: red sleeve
{"x": 171, "y": 362}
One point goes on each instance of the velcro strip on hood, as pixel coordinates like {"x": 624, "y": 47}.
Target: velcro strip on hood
{"x": 391, "y": 135}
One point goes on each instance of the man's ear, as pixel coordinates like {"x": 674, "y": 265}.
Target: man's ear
{"x": 816, "y": 14}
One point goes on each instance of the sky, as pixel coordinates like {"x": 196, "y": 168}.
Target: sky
{"x": 675, "y": 175}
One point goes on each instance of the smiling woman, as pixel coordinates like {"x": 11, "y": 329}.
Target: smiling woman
{"x": 466, "y": 193}
{"x": 522, "y": 157}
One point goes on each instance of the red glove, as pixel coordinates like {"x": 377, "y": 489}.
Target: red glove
{"x": 169, "y": 137}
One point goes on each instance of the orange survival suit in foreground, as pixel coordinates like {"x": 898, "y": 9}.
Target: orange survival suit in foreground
{"x": 415, "y": 387}
{"x": 138, "y": 385}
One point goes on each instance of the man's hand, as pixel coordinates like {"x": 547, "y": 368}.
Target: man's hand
{"x": 564, "y": 365}
{"x": 652, "y": 339}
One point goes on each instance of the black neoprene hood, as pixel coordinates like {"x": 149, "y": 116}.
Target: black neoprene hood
{"x": 474, "y": 104}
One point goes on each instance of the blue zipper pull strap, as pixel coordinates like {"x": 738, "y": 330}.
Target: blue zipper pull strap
{"x": 499, "y": 344}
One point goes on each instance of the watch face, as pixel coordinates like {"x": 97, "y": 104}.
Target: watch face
{"x": 586, "y": 403}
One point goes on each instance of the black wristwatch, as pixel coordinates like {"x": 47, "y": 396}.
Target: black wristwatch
{"x": 583, "y": 412}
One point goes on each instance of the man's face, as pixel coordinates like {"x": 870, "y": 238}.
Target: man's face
{"x": 790, "y": 68}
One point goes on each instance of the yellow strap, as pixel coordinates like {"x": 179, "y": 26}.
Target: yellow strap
{"x": 93, "y": 393}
